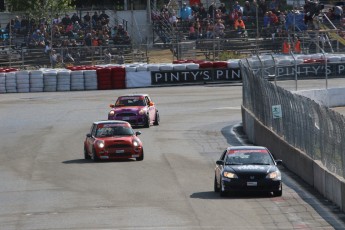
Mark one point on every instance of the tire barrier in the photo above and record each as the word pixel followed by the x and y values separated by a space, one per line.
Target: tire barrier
pixel 2 82
pixel 104 78
pixel 36 81
pixel 63 82
pixel 118 77
pixel 136 75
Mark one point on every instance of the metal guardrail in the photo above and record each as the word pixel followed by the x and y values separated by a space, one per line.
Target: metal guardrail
pixel 313 128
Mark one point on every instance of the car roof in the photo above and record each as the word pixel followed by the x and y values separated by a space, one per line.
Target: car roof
pixel 110 122
pixel 135 95
pixel 244 147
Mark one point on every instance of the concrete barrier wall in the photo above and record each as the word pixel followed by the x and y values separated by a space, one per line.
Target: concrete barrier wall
pixel 312 172
pixel 328 97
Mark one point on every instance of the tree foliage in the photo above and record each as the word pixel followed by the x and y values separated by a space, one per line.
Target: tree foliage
pixel 39 9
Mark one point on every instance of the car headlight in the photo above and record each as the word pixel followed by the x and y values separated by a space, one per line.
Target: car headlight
pixel 142 111
pixel 136 143
pixel 276 175
pixel 100 144
pixel 111 113
pixel 229 175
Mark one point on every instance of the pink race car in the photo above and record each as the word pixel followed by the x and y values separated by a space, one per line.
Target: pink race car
pixel 137 109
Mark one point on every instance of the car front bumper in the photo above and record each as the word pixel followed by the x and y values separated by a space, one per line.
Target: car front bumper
pixel 138 120
pixel 263 185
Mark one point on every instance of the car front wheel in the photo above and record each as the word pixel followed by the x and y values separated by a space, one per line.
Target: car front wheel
pixel 94 156
pixel 216 188
pixel 141 157
pixel 147 122
pixel 86 154
pixel 156 119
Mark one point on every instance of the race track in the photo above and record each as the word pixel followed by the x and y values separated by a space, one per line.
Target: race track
pixel 46 183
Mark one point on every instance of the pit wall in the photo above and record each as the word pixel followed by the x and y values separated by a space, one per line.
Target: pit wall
pixel 312 172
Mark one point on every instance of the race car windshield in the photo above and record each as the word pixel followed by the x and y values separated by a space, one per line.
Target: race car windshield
pixel 114 131
pixel 249 158
pixel 130 102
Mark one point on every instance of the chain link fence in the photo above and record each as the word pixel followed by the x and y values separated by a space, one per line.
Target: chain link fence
pixel 313 128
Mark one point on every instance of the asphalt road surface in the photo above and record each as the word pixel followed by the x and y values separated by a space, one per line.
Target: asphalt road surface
pixel 46 183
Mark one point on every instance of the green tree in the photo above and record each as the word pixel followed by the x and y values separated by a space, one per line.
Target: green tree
pixel 39 9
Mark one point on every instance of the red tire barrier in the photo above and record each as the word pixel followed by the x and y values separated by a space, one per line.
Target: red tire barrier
pixel 220 64
pixel 206 65
pixel 118 77
pixel 104 79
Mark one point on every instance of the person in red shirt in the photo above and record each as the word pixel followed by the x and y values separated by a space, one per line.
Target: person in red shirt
pixel 239 25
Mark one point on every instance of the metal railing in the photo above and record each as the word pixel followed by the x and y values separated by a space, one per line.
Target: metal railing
pixel 306 125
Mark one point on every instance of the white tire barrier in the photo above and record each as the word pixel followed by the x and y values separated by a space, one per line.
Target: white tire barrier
pixel 23 81
pixel 36 81
pixel 90 78
pixel 2 83
pixel 50 81
pixel 10 82
pixel 63 80
pixel 192 66
pixel 77 80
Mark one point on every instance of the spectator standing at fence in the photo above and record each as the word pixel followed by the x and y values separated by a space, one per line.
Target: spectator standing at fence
pixel 66 21
pixel 337 12
pixel 95 19
pixel 262 7
pixel 209 30
pixel 297 46
pixel 211 10
pixel 104 17
pixel 286 47
pixel 75 18
pixel 87 19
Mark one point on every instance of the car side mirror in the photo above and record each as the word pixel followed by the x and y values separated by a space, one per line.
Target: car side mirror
pixel 137 133
pixel 111 106
pixel 219 162
pixel 151 103
pixel 279 162
pixel 88 135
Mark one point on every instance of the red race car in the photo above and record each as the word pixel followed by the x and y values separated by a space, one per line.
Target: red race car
pixel 113 140
pixel 137 109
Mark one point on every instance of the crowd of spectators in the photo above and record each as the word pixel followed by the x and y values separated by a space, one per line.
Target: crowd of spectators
pixel 68 31
pixel 61 37
pixel 212 21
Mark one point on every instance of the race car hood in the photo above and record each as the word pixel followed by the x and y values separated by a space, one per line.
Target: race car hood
pixel 133 109
pixel 245 169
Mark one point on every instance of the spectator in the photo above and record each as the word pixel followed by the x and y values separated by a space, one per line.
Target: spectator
pixel 87 19
pixel 286 47
pixel 192 34
pixel 219 29
pixel 337 12
pixel 248 10
pixel 273 6
pixel 185 12
pixel 239 26
pixel 75 18
pixel 262 7
pixel 211 10
pixel 17 25
pixel 104 16
pixel 66 20
pixel 95 18
pixel 173 19
pixel 297 46
pixel 202 12
pixel 209 30
pixel 56 19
